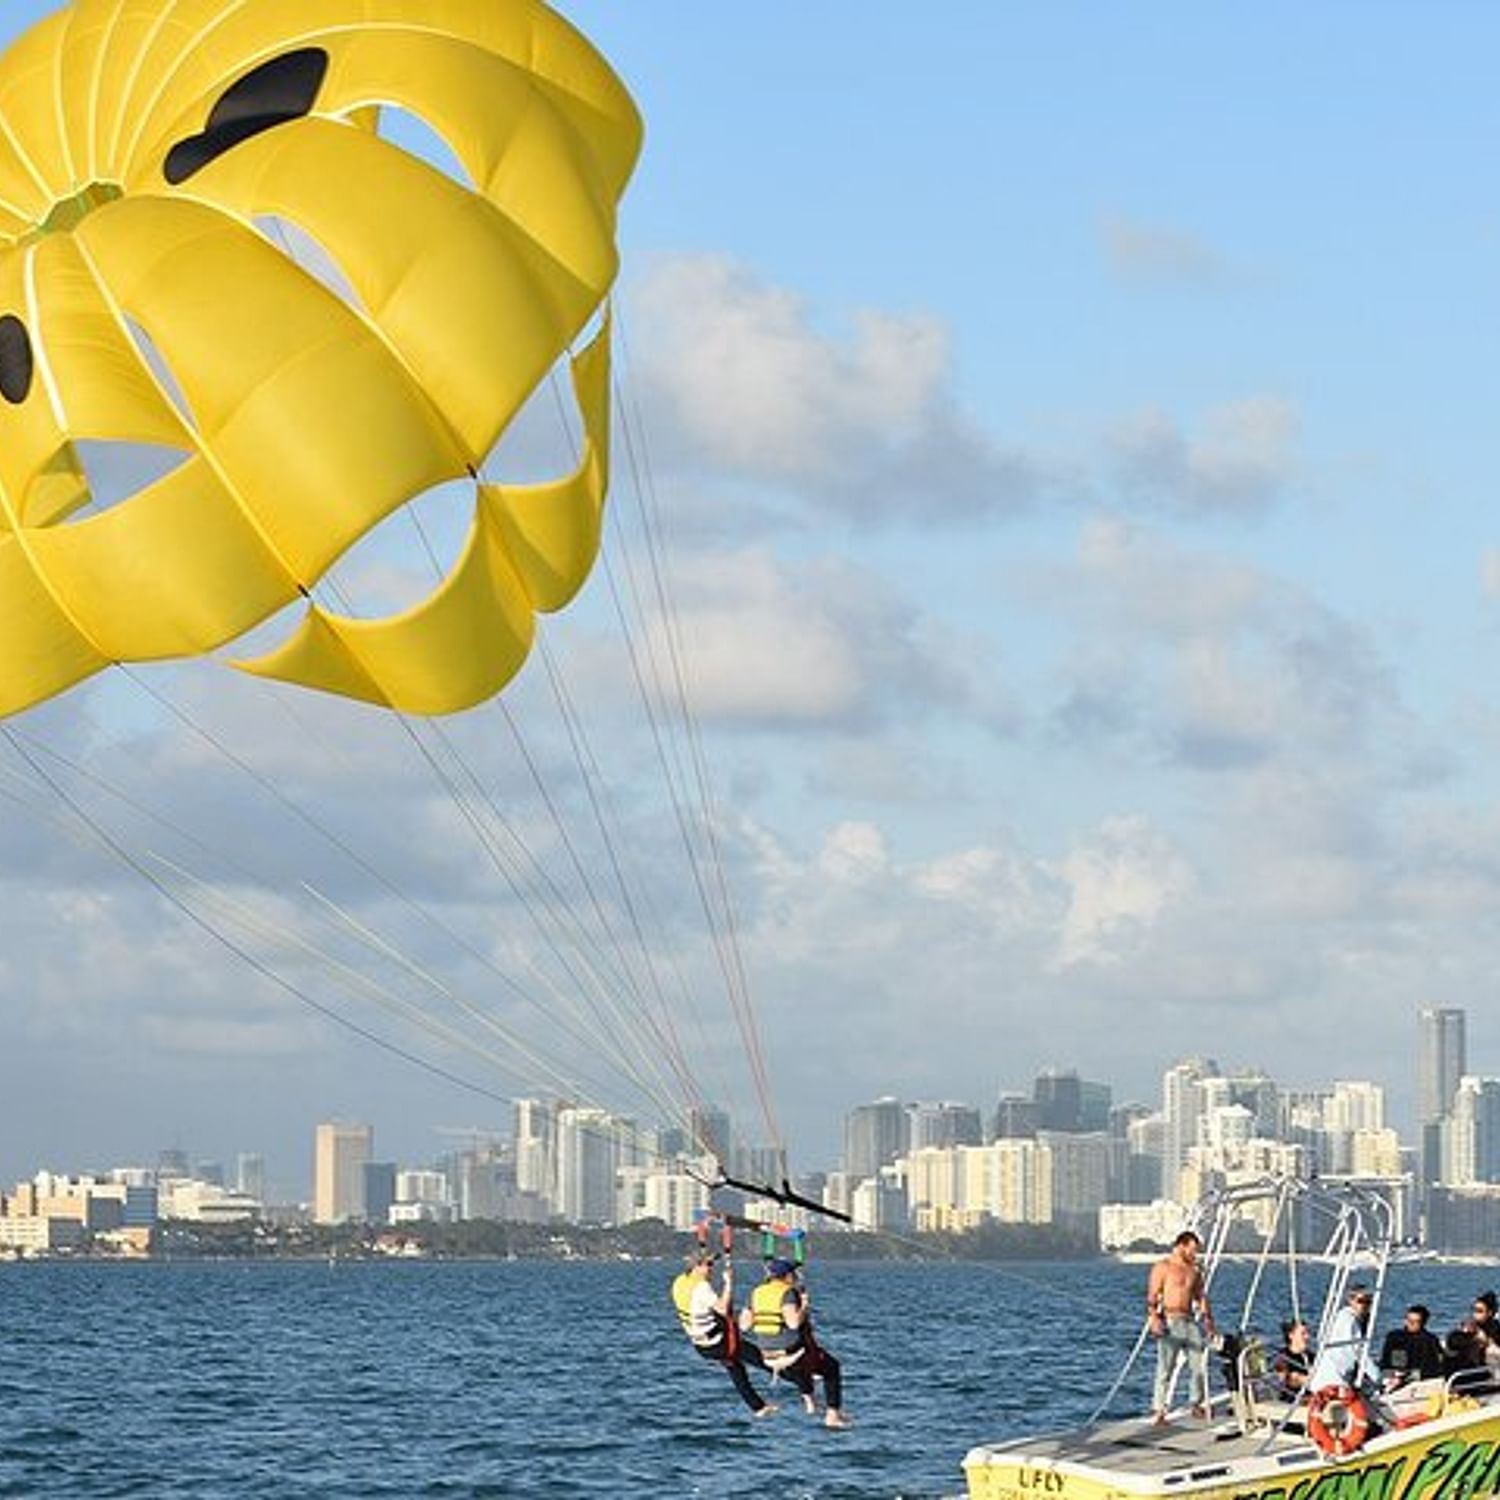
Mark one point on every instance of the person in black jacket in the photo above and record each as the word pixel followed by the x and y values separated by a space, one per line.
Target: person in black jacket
pixel 1293 1361
pixel 1412 1351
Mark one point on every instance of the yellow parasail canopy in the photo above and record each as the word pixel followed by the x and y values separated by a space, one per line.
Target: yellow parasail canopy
pixel 141 141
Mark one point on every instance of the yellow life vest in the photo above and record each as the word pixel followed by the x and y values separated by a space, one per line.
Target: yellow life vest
pixel 769 1328
pixel 702 1331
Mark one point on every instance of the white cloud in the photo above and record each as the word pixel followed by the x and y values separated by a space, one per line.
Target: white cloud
pixel 770 642
pixel 1209 662
pixel 1240 461
pixel 738 380
pixel 1489 572
pixel 1119 885
pixel 1156 253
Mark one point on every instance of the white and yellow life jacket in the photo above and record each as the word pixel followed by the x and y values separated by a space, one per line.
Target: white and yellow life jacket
pixel 704 1330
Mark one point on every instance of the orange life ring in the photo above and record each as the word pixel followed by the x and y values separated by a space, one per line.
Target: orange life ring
pixel 1338 1420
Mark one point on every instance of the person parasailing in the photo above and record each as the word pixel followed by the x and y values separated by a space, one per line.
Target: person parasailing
pixel 779 1316
pixel 707 1317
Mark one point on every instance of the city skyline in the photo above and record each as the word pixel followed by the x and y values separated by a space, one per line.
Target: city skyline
pixel 1082 549
pixel 1064 1086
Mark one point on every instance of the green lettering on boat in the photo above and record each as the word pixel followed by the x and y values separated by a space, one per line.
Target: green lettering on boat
pixel 1461 1480
pixel 1432 1466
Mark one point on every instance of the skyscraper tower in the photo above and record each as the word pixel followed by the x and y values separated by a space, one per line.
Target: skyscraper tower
pixel 339 1172
pixel 1441 1061
pixel 874 1136
pixel 1182 1108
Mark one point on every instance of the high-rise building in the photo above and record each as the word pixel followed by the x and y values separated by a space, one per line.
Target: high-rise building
pixel 535 1147
pixel 250 1175
pixel 1471 1133
pixel 944 1125
pixel 173 1162
pixel 587 1159
pixel 711 1132
pixel 1015 1118
pixel 1095 1106
pixel 874 1136
pixel 341 1152
pixel 1059 1099
pixel 1183 1105
pixel 379 1190
pixel 1441 1061
pixel 1080 1175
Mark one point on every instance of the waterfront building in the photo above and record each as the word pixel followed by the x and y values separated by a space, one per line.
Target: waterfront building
pixel 874 1136
pixel 762 1164
pixel 421 1185
pixel 204 1202
pixel 1015 1118
pixel 711 1131
pixel 340 1154
pixel 1256 1091
pixel 1182 1106
pixel 535 1141
pixel 250 1175
pixel 1095 1106
pixel 1140 1226
pixel 879 1202
pixel 1007 1181
pixel 379 1190
pixel 1470 1135
pixel 676 1199
pixel 1464 1220
pixel 944 1125
pixel 1376 1153
pixel 40 1234
pixel 1442 1059
pixel 1058 1093
pixel 173 1162
pixel 1080 1171
pixel 587 1160
pixel 838 1188
pixel 933 1188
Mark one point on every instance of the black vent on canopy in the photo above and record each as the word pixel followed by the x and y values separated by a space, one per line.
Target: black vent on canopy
pixel 286 88
pixel 16 363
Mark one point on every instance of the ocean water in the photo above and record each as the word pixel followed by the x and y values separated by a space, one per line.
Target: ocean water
pixel 541 1381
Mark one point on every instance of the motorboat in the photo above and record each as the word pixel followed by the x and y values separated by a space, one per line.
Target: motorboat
pixel 1296 1248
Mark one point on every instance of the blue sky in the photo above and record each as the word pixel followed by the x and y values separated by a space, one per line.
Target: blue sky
pixel 1075 425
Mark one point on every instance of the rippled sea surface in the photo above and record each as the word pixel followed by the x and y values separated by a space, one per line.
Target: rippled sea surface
pixel 534 1380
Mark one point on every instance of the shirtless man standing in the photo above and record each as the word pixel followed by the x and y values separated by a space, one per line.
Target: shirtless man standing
pixel 1179 1319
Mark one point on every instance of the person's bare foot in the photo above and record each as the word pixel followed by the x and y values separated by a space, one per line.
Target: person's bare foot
pixel 1159 1419
pixel 809 1406
pixel 768 1410
pixel 835 1419
pixel 1201 1412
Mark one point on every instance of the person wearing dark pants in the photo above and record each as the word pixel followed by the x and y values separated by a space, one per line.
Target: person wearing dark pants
pixel 707 1320
pixel 734 1361
pixel 778 1315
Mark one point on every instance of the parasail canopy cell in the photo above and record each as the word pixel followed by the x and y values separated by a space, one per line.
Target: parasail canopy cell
pixel 145 147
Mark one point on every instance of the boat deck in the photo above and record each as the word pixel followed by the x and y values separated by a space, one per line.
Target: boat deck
pixel 1138 1446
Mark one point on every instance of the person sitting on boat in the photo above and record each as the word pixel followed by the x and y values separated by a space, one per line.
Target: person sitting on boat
pixel 1344 1358
pixel 1464 1356
pixel 1179 1318
pixel 1412 1351
pixel 707 1319
pixel 779 1316
pixel 1485 1316
pixel 1293 1361
pixel 1468 1346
